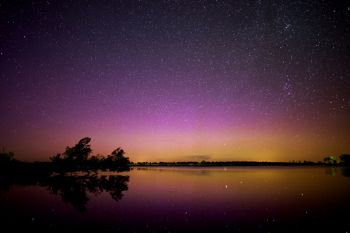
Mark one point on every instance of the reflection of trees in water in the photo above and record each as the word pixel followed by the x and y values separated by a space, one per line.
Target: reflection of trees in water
pixel 75 189
pixel 346 171
pixel 330 171
pixel 333 171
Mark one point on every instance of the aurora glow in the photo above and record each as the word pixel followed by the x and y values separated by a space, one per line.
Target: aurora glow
pixel 176 80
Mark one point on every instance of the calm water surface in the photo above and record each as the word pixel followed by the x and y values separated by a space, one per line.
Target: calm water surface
pixel 249 199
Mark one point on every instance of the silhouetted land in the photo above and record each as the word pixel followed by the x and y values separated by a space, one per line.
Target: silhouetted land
pixel 76 158
pixel 47 168
pixel 79 158
pixel 39 169
pixel 233 163
pixel 327 161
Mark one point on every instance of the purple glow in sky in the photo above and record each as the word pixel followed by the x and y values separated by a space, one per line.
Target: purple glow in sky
pixel 176 80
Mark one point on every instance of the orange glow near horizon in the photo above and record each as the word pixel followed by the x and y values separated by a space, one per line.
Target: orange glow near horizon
pixel 264 143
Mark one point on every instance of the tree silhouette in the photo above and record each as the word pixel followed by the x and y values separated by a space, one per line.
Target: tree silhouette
pixel 117 159
pixel 118 156
pixel 56 158
pixel 77 157
pixel 80 152
pixel 330 160
pixel 345 159
pixel 6 157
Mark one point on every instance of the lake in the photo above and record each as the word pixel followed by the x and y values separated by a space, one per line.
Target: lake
pixel 236 199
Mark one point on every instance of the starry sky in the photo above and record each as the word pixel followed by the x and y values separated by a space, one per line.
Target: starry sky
pixel 176 80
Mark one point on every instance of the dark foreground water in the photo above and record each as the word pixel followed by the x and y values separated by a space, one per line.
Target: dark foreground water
pixel 251 199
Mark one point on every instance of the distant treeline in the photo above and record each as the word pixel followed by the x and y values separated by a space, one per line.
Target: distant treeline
pixel 225 163
pixel 344 161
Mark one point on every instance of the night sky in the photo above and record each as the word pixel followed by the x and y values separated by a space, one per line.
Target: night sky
pixel 176 80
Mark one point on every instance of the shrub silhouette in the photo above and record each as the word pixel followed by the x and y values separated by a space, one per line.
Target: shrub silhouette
pixel 330 160
pixel 80 152
pixel 56 158
pixel 345 159
pixel 77 157
pixel 117 158
pixel 6 157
